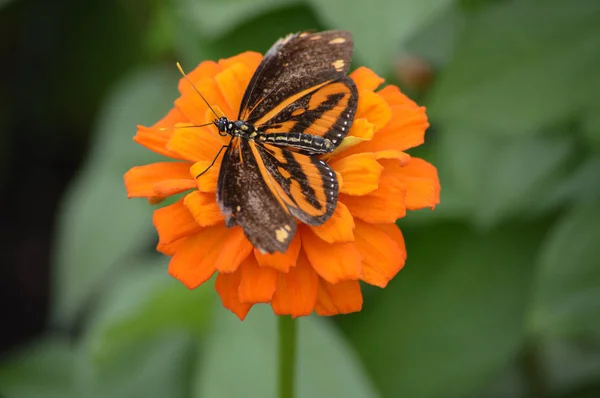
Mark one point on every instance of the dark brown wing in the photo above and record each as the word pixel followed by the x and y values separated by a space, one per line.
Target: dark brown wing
pixel 295 66
pixel 248 199
pixel 306 184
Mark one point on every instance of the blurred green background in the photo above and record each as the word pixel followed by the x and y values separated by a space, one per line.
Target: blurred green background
pixel 500 296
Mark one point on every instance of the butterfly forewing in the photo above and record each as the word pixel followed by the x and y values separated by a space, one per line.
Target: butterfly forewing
pixel 296 65
pixel 247 199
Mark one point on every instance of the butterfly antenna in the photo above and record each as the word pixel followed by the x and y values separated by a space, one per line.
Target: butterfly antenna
pixel 185 127
pixel 198 91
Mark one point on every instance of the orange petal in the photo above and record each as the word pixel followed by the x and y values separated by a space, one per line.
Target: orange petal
pixel 366 79
pixel 195 259
pixel 402 157
pixel 140 180
pixel 384 205
pixel 296 292
pixel 339 228
pixel 373 108
pixel 204 208
pixel 235 248
pixel 174 222
pixel 361 130
pixel 280 261
pixel 227 286
pixel 360 173
pixel 193 107
pixel 195 143
pixel 155 140
pixel 232 83
pixel 382 257
pixel 333 262
pixel 258 283
pixel 207 182
pixel 204 70
pixel 394 97
pixel 249 58
pixel 172 187
pixel 422 184
pixel 341 298
pixel 169 249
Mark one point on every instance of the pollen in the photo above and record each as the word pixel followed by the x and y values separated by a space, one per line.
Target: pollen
pixel 338 65
pixel 337 40
pixel 281 234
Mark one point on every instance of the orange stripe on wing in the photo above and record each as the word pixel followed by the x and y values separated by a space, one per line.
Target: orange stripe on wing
pixel 273 186
pixel 283 104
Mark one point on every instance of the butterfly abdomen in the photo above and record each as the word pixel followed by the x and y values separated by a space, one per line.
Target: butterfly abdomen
pixel 306 143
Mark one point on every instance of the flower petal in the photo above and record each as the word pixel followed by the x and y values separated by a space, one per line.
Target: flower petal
pixel 172 187
pixel 373 108
pixel 249 58
pixel 234 249
pixel 204 70
pixel 362 130
pixel 258 283
pixel 366 79
pixel 174 222
pixel 169 249
pixel 339 228
pixel 193 107
pixel 296 292
pixel 140 180
pixel 207 182
pixel 155 139
pixel 341 298
pixel 333 262
pixel 227 286
pixel 196 257
pixel 204 208
pixel 280 261
pixel 382 256
pixel 232 83
pixel 384 205
pixel 422 184
pixel 360 173
pixel 195 143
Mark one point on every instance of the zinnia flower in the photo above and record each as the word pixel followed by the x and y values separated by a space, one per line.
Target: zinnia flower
pixel 322 269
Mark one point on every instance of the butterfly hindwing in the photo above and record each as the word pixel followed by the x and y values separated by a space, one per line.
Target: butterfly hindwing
pixel 327 112
pixel 246 198
pixel 306 184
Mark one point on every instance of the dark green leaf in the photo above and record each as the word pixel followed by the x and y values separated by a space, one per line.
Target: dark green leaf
pixel 248 352
pixel 567 300
pixel 453 317
pixel 145 302
pixel 98 226
pixel 521 65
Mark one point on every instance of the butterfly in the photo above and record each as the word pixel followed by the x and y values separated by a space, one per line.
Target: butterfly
pixel 299 104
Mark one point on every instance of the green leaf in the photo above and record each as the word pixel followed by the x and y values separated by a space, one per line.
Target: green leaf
pixel 495 177
pixel 567 300
pixel 582 185
pixel 43 370
pixel 154 368
pixel 453 317
pixel 382 27
pixel 98 226
pixel 326 365
pixel 521 65
pixel 214 18
pixel 145 302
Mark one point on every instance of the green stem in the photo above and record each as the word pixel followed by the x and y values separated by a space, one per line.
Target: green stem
pixel 287 356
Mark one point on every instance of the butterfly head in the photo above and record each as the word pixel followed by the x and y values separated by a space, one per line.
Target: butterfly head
pixel 223 124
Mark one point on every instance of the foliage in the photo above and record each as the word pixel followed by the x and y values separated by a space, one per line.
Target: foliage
pixel 501 292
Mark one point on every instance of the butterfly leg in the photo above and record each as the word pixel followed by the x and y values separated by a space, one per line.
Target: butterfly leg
pixel 214 160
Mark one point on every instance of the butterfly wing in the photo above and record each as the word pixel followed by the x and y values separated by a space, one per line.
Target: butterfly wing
pixel 301 86
pixel 248 199
pixel 306 184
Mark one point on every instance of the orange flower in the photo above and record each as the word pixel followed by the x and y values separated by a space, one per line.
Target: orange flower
pixel 322 268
